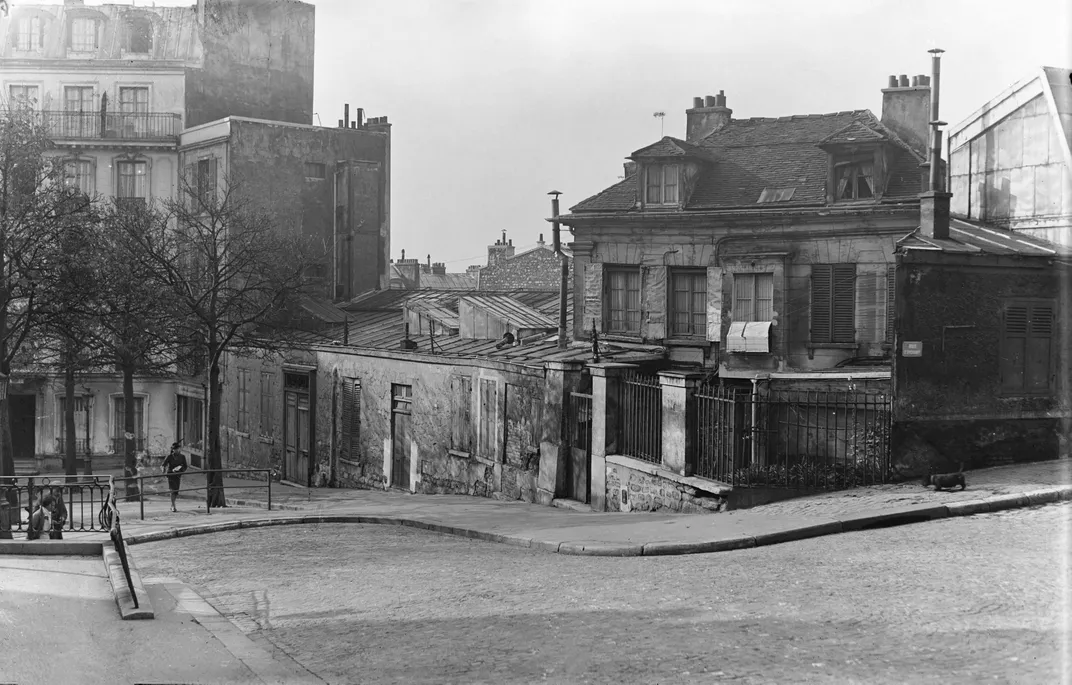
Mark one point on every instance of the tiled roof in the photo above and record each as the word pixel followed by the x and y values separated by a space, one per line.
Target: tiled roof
pixel 671 147
pixel 753 154
pixel 323 311
pixel 972 238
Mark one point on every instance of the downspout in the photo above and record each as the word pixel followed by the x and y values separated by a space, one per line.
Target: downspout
pixel 755 417
pixel 563 284
pixel 335 235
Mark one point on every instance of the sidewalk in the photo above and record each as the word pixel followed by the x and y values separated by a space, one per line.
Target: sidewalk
pixel 617 534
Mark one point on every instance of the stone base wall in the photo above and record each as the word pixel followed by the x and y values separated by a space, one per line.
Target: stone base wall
pixel 631 490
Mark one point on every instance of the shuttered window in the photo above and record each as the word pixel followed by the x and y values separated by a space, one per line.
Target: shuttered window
pixel 490 434
pixel 1027 347
pixel 622 313
pixel 891 289
pixel 349 444
pixel 833 303
pixel 461 422
pixel 688 310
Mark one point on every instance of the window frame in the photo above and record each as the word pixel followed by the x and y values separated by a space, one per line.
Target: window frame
pixel 92 22
pixel 141 429
pixel 122 164
pixel 662 188
pixel 242 402
pixel 35 32
pixel 87 165
pixel 854 164
pixel 32 101
pixel 184 413
pixel 753 300
pixel 266 417
pixel 129 23
pixel 692 328
pixel 610 273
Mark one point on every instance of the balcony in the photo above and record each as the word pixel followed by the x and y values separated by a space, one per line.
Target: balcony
pixel 119 445
pixel 79 446
pixel 143 127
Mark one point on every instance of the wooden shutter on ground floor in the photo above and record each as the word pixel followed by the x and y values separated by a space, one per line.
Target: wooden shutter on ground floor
pixel 461 424
pixel 1027 347
pixel 653 302
pixel 891 290
pixel 714 303
pixel 349 447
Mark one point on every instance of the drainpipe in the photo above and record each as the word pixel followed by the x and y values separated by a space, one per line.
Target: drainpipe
pixel 755 416
pixel 563 281
pixel 936 135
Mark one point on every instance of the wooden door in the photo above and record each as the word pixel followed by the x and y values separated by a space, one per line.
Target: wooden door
pixel 290 436
pixel 401 417
pixel 580 446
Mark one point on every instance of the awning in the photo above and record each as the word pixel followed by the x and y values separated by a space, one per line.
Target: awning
pixel 749 336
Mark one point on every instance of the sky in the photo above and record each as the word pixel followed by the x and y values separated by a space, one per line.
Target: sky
pixel 494 103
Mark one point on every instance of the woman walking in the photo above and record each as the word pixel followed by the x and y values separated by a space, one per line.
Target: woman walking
pixel 174 464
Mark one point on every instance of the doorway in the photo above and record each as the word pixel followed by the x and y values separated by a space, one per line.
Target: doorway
pixel 297 430
pixel 22 412
pixel 580 446
pixel 401 434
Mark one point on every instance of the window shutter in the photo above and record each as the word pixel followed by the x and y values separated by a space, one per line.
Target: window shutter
pixel 714 303
pixel 212 184
pixel 593 298
pixel 821 293
pixel 844 304
pixel 653 298
pixel 347 418
pixel 461 397
pixel 1015 344
pixel 1039 349
pixel 891 289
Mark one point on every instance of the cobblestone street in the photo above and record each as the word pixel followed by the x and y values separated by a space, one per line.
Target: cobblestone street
pixel 959 600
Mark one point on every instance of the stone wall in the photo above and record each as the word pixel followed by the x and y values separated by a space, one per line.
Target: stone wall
pixel 630 489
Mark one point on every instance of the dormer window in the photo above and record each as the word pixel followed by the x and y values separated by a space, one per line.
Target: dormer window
pixel 138 35
pixel 855 178
pixel 662 184
pixel 28 34
pixel 82 34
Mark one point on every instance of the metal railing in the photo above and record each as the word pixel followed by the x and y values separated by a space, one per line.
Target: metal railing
pixel 82 497
pixel 121 126
pixel 160 486
pixel 640 418
pixel 792 438
pixel 109 518
pixel 119 445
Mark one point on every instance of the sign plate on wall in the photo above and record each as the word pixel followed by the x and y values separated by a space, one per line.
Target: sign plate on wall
pixel 911 349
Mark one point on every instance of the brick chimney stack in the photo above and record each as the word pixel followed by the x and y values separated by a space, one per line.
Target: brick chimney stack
pixel 502 249
pixel 706 116
pixel 410 270
pixel 906 110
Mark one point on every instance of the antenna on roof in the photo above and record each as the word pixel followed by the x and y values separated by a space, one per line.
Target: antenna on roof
pixel 661 116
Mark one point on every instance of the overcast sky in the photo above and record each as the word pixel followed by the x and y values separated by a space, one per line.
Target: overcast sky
pixel 496 102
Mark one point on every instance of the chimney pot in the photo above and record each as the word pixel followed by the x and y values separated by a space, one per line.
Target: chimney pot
pixel 346 114
pixel 892 82
pixel 403 254
pixel 340 123
pixel 915 81
pixel 541 239
pixel 720 99
pixel 709 101
pixel 697 103
pixel 904 81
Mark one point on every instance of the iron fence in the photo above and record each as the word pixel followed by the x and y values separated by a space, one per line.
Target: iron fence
pixel 640 418
pixel 80 446
pixel 119 445
pixel 580 427
pixel 196 477
pixel 82 498
pixel 109 518
pixel 83 125
pixel 789 438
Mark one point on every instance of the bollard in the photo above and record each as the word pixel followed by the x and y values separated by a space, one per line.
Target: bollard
pixel 5 519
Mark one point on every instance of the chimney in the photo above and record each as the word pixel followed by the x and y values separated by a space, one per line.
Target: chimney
pixel 346 115
pixel 540 243
pixel 934 202
pixel 439 268
pixel 906 110
pixel 500 250
pixel 706 116
pixel 410 270
pixel 630 167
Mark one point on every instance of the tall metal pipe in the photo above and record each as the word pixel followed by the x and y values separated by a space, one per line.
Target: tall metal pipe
pixel 556 237
pixel 936 133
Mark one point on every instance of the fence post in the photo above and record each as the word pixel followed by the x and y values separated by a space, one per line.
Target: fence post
pixel 268 475
pixel 679 420
pixel 606 386
pixel 141 500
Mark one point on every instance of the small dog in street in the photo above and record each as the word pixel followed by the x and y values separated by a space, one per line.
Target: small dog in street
pixel 945 481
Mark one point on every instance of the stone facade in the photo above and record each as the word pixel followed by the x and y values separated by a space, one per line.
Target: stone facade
pixel 629 489
pixel 537 269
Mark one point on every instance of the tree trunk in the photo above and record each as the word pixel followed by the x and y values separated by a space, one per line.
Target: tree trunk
pixel 215 495
pixel 130 463
pixel 68 419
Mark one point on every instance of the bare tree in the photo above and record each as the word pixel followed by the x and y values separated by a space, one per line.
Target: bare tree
pixel 33 207
pixel 235 275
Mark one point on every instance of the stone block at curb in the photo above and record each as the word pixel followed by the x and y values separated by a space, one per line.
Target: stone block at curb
pixel 700 547
pixel 545 545
pixel 801 533
pixel 113 566
pixel 64 548
pixel 1046 496
pixel 1004 502
pixel 969 508
pixel 894 517
pixel 600 549
pixel 517 541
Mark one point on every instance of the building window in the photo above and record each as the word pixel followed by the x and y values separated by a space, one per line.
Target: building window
pixel 350 443
pixel 81 407
pixel 489 430
pixel 753 297
pixel 242 423
pixel 662 184
pixel 855 179
pixel 315 170
pixel 267 419
pixel 29 34
pixel 461 398
pixel 78 175
pixel 1027 355
pixel 204 184
pixel 78 99
pixel 25 95
pixel 133 182
pixel 688 303
pixel 622 313
pixel 134 100
pixel 189 422
pixel 119 428
pixel 833 303
pixel 82 34
pixel 138 35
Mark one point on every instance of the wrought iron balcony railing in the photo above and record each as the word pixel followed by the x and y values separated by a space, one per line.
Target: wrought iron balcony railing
pixel 119 445
pixel 111 125
pixel 79 446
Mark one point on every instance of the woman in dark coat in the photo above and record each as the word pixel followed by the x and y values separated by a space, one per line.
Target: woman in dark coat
pixel 174 464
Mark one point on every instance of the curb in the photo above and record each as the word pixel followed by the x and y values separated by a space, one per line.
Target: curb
pixel 50 548
pixel 123 599
pixel 895 517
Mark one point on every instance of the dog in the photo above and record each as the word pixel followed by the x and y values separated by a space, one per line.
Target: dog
pixel 945 481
